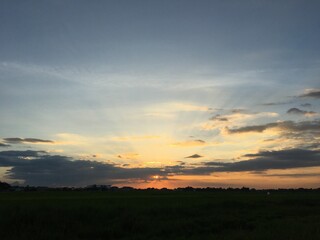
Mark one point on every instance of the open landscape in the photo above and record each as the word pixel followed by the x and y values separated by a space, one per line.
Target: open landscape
pixel 159 120
pixel 160 214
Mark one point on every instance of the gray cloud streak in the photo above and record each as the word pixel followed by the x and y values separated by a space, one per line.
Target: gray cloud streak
pixel 298 111
pixel 285 126
pixel 194 156
pixel 311 94
pixel 26 140
pixel 4 145
pixel 218 117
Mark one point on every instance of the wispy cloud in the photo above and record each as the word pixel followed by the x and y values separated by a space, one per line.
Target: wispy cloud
pixel 311 93
pixel 129 156
pixel 276 103
pixel 4 145
pixel 190 143
pixel 16 140
pixel 298 111
pixel 306 105
pixel 284 125
pixel 234 117
pixel 194 156
pixel 219 118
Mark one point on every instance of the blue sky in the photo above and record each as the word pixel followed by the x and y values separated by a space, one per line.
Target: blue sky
pixel 143 85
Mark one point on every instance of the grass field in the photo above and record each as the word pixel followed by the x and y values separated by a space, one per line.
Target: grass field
pixel 159 215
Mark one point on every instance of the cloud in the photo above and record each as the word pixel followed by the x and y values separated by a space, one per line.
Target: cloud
pixel 191 143
pixel 311 93
pixel 295 175
pixel 239 110
pixel 218 117
pixel 298 111
pixel 235 116
pixel 39 168
pixel 253 128
pixel 255 163
pixel 26 140
pixel 305 105
pixel 288 126
pixel 267 160
pixel 194 156
pixel 4 145
pixel 22 154
pixel 275 103
pixel 282 159
pixel 128 155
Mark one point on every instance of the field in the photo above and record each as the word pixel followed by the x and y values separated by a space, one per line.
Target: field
pixel 159 215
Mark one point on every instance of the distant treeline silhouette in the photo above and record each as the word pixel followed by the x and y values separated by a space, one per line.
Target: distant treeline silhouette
pixel 8 188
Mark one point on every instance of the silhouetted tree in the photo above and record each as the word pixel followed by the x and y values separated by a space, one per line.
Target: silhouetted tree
pixel 4 186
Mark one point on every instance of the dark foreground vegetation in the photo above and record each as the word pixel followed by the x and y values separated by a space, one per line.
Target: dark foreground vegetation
pixel 160 214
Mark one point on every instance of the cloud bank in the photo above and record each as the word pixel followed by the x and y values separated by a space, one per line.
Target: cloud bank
pixel 298 111
pixel 300 127
pixel 40 169
pixel 313 93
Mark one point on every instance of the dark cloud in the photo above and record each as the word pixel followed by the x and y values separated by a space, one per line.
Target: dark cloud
pixel 238 110
pixel 4 145
pixel 253 128
pixel 26 140
pixel 298 111
pixel 46 170
pixel 181 162
pixel 22 154
pixel 40 169
pixel 218 117
pixel 268 160
pixel 274 103
pixel 312 94
pixel 310 145
pixel 194 156
pixel 305 105
pixel 255 163
pixel 295 175
pixel 305 133
pixel 214 164
pixel 288 126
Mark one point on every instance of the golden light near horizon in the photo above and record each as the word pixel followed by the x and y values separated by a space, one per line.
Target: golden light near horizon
pixel 156 177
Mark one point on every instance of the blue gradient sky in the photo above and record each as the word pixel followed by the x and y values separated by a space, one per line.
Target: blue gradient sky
pixel 145 84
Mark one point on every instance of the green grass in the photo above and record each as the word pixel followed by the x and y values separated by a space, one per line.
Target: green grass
pixel 159 215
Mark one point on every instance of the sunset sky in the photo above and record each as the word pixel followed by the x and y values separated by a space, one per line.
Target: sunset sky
pixel 163 93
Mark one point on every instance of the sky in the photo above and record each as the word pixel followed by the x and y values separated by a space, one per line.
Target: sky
pixel 160 93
